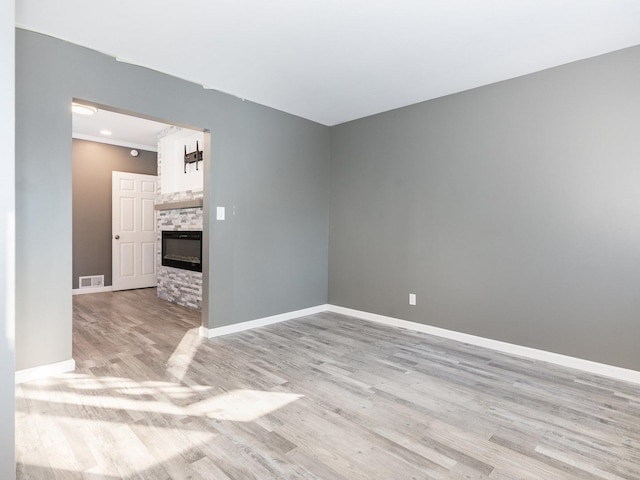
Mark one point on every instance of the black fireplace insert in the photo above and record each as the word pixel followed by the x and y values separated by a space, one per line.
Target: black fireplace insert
pixel 182 249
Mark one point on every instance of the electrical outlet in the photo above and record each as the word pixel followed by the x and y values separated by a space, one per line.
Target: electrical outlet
pixel 412 299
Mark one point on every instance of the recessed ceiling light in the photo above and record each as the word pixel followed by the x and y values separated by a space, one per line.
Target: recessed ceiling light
pixel 105 132
pixel 83 109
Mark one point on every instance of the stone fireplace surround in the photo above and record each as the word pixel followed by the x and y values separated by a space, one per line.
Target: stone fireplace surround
pixel 176 285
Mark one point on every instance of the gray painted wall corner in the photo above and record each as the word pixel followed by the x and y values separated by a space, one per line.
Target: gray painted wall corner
pixel 510 210
pixel 7 254
pixel 277 200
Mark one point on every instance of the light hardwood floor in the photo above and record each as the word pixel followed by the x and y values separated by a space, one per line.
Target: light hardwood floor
pixel 321 397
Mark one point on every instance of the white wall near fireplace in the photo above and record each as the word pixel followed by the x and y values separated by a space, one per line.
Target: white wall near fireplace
pixel 173 179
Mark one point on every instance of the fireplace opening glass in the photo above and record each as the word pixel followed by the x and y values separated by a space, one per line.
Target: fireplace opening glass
pixel 182 249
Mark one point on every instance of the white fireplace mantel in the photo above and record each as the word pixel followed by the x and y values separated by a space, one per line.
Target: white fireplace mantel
pixel 193 203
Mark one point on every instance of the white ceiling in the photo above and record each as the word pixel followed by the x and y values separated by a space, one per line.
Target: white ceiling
pixel 337 60
pixel 126 131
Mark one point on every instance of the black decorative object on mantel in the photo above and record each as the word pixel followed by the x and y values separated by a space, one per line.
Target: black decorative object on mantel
pixel 192 157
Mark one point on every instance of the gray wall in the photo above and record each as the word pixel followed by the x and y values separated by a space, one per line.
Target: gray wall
pixel 7 190
pixel 270 168
pixel 92 164
pixel 512 210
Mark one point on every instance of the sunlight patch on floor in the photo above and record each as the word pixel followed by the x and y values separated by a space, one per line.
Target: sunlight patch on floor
pixel 111 449
pixel 181 358
pixel 166 398
pixel 243 405
pixel 106 400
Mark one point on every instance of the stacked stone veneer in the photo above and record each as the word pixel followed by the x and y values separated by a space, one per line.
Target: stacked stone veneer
pixel 176 285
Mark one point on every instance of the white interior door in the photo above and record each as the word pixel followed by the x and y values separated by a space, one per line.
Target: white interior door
pixel 133 230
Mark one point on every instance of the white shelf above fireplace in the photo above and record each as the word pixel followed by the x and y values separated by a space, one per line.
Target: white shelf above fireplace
pixel 194 203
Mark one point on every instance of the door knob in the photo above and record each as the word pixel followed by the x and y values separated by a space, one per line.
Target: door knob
pixel 117 237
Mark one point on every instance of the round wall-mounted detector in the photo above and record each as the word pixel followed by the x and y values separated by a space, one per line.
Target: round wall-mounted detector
pixel 134 153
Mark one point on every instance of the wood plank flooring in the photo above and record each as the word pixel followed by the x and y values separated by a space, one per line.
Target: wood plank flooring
pixel 321 397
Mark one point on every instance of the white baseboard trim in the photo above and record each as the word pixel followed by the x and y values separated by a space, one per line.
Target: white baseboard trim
pixel 589 366
pixel 82 291
pixel 260 322
pixel 44 371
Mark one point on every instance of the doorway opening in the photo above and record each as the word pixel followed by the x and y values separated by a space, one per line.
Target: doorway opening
pixel 133 178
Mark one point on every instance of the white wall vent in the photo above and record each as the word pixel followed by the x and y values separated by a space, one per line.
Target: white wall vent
pixel 91 281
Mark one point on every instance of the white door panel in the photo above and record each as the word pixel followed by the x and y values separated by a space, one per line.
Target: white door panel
pixel 149 186
pixel 127 185
pixel 127 259
pixel 148 215
pixel 127 214
pixel 148 258
pixel 134 230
